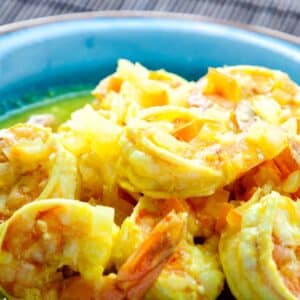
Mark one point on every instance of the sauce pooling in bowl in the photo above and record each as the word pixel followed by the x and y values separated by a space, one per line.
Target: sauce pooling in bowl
pixel 60 107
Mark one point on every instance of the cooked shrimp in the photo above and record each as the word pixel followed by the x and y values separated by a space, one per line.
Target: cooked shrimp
pixel 137 275
pixel 192 272
pixel 248 93
pixel 132 88
pixel 260 246
pixel 46 242
pixel 178 152
pixel 33 165
pixel 238 123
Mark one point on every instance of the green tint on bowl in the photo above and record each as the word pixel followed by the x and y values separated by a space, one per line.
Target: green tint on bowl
pixel 60 106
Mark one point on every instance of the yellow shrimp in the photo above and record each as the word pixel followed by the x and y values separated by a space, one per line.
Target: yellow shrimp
pixel 46 242
pixel 33 165
pixel 248 93
pixel 259 248
pixel 132 87
pixel 192 272
pixel 236 120
pixel 178 152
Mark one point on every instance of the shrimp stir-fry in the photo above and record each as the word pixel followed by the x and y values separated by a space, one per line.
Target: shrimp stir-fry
pixel 151 185
pixel 46 242
pixel 33 165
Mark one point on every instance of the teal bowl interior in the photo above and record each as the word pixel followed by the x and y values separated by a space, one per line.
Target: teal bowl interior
pixel 81 51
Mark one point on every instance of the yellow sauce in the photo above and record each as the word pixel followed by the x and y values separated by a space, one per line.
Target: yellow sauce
pixel 60 106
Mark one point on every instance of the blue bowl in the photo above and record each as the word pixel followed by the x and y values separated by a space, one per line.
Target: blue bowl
pixel 67 52
pixel 81 49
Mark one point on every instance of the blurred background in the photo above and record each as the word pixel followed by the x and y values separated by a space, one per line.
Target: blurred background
pixel 283 15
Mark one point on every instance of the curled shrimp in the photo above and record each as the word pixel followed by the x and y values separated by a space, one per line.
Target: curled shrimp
pixel 46 242
pixel 208 214
pixel 259 248
pixel 248 93
pixel 137 275
pixel 33 165
pixel 192 272
pixel 133 87
pixel 178 152
pixel 237 124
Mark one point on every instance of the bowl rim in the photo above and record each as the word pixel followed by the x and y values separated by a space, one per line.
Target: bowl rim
pixel 123 14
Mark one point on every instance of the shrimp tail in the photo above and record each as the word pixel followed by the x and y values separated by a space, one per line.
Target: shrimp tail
pixel 142 268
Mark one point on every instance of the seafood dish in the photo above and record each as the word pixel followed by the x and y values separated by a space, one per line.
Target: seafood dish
pixel 160 188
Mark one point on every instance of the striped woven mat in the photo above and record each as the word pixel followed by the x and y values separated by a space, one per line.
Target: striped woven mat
pixel 283 15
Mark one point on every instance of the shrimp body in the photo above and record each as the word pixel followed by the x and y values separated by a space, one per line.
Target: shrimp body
pixel 33 165
pixel 178 152
pixel 46 242
pixel 259 248
pixel 192 272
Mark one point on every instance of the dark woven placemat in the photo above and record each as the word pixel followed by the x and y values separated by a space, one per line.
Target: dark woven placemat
pixel 283 15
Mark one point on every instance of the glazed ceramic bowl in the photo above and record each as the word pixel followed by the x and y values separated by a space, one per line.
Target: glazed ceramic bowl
pixel 78 50
pixel 81 49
